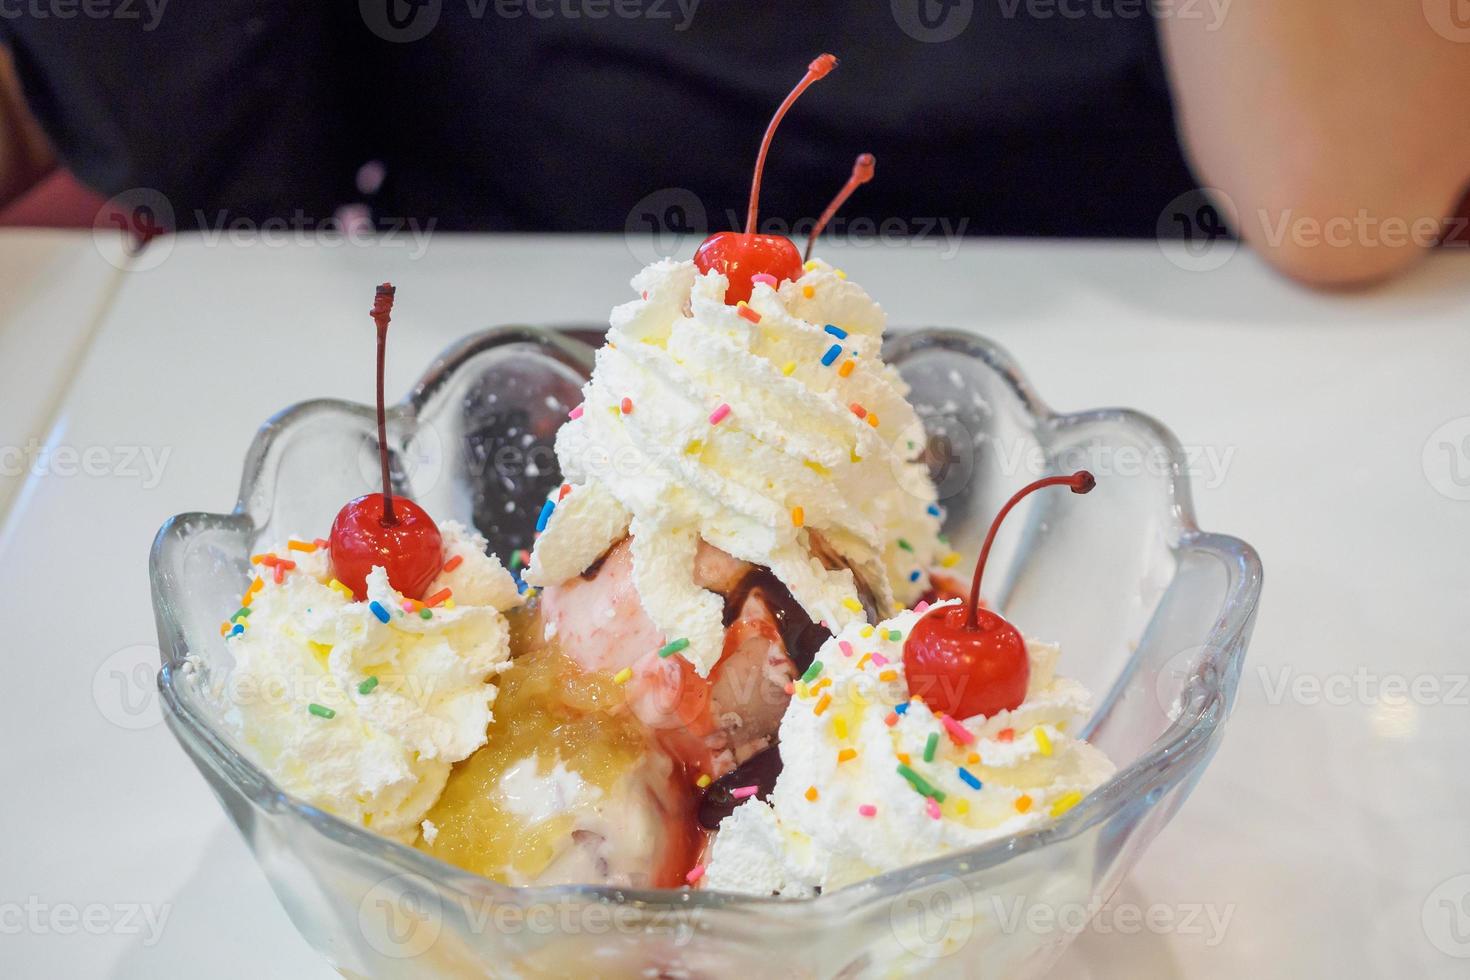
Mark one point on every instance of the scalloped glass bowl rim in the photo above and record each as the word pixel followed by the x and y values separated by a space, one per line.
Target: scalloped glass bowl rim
pixel 1169 760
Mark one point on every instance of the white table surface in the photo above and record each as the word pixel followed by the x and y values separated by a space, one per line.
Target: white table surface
pixel 1333 829
pixel 54 285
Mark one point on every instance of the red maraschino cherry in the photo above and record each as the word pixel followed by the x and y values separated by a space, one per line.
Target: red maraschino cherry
pixel 379 529
pixel 966 660
pixel 862 172
pixel 741 255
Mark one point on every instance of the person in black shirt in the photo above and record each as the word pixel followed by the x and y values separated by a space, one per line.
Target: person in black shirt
pixel 990 117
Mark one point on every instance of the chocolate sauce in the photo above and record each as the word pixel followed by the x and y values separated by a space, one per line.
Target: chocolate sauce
pixel 802 637
pixel 590 572
pixel 760 771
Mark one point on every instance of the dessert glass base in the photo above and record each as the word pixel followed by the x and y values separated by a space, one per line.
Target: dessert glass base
pixel 1152 614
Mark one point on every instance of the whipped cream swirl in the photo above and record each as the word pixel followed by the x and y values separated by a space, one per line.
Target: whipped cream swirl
pixel 750 428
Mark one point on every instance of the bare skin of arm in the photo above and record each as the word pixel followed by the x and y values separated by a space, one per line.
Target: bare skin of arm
pixel 25 156
pixel 1337 128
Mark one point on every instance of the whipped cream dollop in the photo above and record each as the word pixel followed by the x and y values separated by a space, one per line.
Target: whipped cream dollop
pixel 357 716
pixel 843 809
pixel 752 428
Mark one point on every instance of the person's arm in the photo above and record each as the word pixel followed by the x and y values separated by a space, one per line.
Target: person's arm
pixel 1337 128
pixel 25 156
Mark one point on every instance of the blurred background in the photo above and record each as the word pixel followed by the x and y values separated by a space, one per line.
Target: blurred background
pixel 1341 155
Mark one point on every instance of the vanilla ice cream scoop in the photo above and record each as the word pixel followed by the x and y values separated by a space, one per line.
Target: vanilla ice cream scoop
pixel 360 708
pixel 873 781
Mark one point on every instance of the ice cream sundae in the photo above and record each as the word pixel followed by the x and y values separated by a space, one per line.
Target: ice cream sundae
pixel 720 629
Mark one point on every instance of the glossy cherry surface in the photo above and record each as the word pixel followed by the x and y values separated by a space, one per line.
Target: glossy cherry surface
pixel 743 255
pixel 966 660
pixel 410 548
pixel 378 528
pixel 966 671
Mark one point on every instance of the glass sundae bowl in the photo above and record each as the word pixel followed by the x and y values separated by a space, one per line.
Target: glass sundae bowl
pixel 1153 615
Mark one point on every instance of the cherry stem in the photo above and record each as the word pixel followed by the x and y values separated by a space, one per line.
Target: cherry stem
pixel 1080 482
pixel 862 172
pixel 819 68
pixel 381 313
